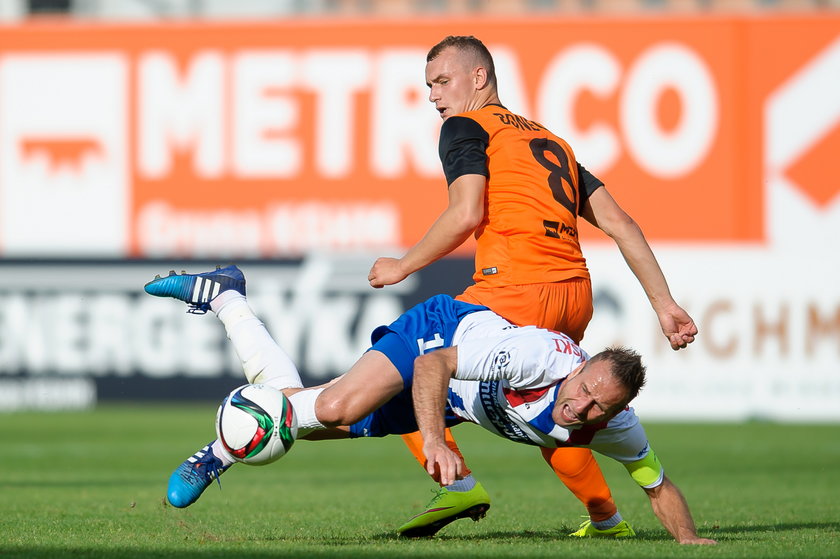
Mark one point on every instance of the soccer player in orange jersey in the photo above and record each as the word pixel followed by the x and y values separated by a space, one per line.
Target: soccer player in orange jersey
pixel 518 188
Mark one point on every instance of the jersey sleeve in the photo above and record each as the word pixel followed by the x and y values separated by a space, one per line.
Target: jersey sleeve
pixel 623 439
pixel 524 357
pixel 587 184
pixel 463 148
pixel 486 359
pixel 646 471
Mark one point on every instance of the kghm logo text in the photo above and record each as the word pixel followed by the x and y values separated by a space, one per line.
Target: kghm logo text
pixel 555 229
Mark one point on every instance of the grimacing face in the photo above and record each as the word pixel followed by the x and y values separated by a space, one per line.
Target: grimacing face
pixel 590 394
pixel 452 82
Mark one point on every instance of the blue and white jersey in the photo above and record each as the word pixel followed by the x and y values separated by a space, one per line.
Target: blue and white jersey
pixel 507 379
pixel 432 324
pixel 507 382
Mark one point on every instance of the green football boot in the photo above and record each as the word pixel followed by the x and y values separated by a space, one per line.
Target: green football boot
pixel 588 530
pixel 447 506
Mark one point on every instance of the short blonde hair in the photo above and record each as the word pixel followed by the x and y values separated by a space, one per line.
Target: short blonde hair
pixel 467 44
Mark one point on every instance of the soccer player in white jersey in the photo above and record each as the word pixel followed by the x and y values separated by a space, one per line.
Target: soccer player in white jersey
pixel 441 363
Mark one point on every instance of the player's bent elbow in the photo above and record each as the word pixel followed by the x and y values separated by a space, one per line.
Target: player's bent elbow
pixel 603 212
pixel 471 220
pixel 657 490
pixel 623 227
pixel 466 218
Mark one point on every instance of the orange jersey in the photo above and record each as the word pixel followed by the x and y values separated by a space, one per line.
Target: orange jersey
pixel 534 195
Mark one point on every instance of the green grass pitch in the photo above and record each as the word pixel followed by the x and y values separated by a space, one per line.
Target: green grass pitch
pixel 91 484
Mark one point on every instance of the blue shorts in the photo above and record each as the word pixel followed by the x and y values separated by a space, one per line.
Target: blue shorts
pixel 423 328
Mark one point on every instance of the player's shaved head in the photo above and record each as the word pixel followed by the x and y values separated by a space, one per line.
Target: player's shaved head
pixel 473 50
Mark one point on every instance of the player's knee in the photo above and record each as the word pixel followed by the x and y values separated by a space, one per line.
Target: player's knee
pixel 334 411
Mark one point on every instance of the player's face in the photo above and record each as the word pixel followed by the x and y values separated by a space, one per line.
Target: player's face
pixel 451 81
pixel 591 394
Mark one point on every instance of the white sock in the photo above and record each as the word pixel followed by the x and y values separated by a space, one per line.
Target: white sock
pixel 222 454
pixel 462 485
pixel 304 404
pixel 608 523
pixel 220 300
pixel 263 360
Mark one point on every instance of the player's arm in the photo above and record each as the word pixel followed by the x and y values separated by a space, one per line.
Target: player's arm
pixel 666 499
pixel 462 149
pixel 454 226
pixel 432 372
pixel 603 212
pixel 670 507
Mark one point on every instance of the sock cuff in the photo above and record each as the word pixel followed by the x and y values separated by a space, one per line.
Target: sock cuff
pixel 608 523
pixel 232 308
pixel 303 403
pixel 280 383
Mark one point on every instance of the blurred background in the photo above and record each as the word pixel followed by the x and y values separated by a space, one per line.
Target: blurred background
pixel 230 9
pixel 295 138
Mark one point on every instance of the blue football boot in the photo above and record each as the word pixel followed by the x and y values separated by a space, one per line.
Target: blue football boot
pixel 190 479
pixel 197 290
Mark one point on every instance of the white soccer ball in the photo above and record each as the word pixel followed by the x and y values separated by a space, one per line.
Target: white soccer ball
pixel 256 424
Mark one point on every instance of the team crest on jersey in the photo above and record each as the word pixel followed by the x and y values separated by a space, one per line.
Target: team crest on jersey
pixel 500 361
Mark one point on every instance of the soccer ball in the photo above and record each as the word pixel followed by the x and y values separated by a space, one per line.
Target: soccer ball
pixel 256 424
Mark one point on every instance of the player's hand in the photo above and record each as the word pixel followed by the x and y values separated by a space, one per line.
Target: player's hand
pixel 677 326
pixel 442 464
pixel 386 271
pixel 697 541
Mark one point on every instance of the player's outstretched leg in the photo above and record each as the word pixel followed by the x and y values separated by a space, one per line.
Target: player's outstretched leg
pixel 447 506
pixel 197 290
pixel 190 479
pixel 263 361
